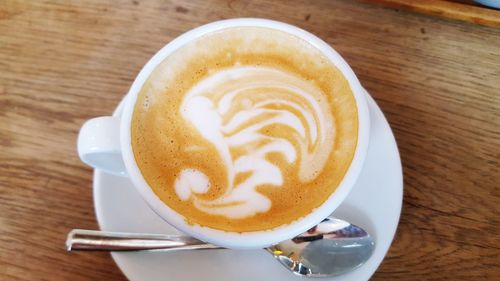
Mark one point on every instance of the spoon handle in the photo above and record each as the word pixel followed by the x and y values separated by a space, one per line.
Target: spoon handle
pixel 93 240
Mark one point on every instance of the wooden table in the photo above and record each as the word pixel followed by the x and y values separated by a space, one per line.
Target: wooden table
pixel 438 82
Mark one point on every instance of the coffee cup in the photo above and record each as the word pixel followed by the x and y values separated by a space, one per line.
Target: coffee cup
pixel 241 133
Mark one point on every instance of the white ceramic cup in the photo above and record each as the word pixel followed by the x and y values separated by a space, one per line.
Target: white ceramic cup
pixel 105 143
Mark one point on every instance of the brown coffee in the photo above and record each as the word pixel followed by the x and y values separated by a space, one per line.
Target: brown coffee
pixel 245 129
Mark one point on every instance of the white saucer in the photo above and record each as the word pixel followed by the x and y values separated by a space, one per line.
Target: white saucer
pixel 374 203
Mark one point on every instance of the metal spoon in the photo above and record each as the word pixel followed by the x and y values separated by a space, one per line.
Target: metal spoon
pixel 331 248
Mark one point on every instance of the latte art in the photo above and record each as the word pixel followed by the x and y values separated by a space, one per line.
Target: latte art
pixel 233 108
pixel 244 129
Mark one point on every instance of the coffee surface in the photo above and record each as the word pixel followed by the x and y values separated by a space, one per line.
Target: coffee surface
pixel 244 129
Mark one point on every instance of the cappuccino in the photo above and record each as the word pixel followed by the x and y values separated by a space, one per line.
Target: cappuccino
pixel 244 129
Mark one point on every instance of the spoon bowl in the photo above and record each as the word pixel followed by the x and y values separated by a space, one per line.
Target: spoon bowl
pixel 331 248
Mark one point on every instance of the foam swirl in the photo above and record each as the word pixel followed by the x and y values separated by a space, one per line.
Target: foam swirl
pixel 261 110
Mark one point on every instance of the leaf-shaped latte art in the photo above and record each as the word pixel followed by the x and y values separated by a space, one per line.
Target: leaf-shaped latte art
pixel 242 107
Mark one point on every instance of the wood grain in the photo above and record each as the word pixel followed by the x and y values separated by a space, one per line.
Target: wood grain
pixel 438 82
pixel 458 9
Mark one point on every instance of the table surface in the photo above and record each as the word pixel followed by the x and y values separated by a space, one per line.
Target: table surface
pixel 465 10
pixel 438 82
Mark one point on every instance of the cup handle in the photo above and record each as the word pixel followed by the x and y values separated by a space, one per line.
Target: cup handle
pixel 99 145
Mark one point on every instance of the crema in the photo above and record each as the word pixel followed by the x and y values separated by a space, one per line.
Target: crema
pixel 244 129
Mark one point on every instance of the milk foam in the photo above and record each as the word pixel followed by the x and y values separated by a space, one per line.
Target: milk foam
pixel 232 108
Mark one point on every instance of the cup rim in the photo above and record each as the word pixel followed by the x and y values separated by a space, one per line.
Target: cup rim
pixel 254 239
